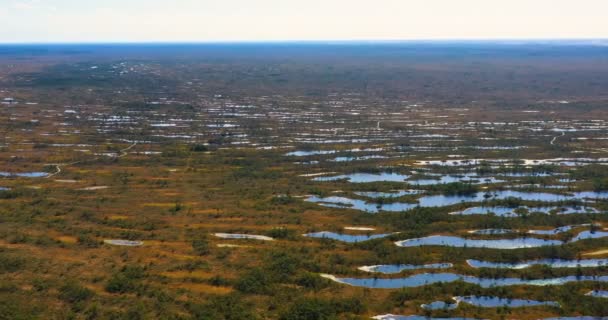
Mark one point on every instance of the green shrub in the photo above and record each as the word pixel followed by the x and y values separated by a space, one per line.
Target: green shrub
pixel 255 281
pixel 281 233
pixel 126 280
pixel 310 309
pixel 311 281
pixel 199 148
pixel 9 263
pixel 230 307
pixel 200 247
pixel 73 292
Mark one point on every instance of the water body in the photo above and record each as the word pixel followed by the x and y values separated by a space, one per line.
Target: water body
pixel 367 177
pixel 452 241
pixel 553 263
pixel 487 302
pixel 468 178
pixel 343 202
pixel 454 163
pixel 530 174
pixel 496 302
pixel 568 162
pixel 448 200
pixel 414 317
pixel 124 243
pixel 345 237
pixel 242 236
pixel 578 318
pixel 517 243
pixel 361 158
pixel 598 294
pixel 499 211
pixel 397 268
pixel 396 194
pixel 512 212
pixel 24 174
pixel 552 232
pixel 491 231
pixel 395 177
pixel 589 235
pixel 309 153
pixel 425 279
pixel 439 305
pixel 538 186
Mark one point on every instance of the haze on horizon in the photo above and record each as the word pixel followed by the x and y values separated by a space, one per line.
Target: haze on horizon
pixel 26 21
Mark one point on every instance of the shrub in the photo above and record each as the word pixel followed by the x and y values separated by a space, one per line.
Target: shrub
pixel 255 281
pixel 282 233
pixel 230 307
pixel 318 309
pixel 200 247
pixel 73 292
pixel 282 200
pixel 600 184
pixel 199 148
pixel 9 263
pixel 127 280
pixel 311 281
pixel 310 309
pixel 87 241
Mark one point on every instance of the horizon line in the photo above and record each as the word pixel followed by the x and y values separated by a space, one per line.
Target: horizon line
pixel 590 40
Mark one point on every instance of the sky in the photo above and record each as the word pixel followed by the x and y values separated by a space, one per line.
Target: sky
pixel 26 21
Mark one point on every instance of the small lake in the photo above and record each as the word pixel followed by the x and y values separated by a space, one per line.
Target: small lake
pixel 395 194
pixel 473 179
pixel 513 212
pixel 343 202
pixel 242 236
pixel 552 232
pixel 487 302
pixel 360 158
pixel 397 268
pixel 537 186
pixel 24 174
pixel 414 317
pixel 396 177
pixel 598 294
pixel 452 241
pixel 578 318
pixel 439 305
pixel 553 263
pixel 590 235
pixel 496 302
pixel 517 243
pixel 491 231
pixel 448 200
pixel 425 279
pixel 367 177
pixel 309 153
pixel 567 162
pixel 345 237
pixel 124 243
pixel 499 211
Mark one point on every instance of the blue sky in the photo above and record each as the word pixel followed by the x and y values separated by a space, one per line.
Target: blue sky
pixel 262 20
